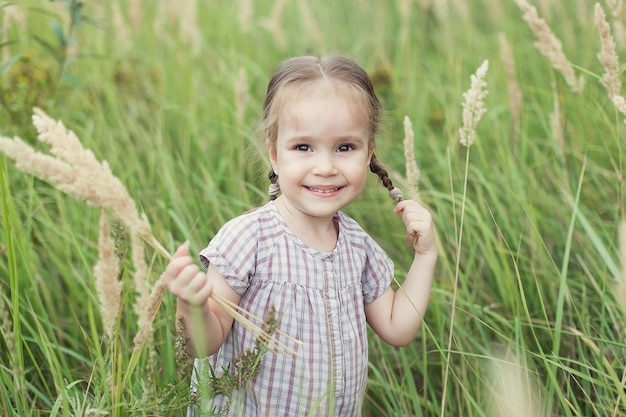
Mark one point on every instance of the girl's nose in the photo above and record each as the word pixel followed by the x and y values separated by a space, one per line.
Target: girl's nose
pixel 324 165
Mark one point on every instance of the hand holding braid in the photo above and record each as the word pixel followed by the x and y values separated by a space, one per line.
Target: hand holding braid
pixel 417 220
pixel 377 168
pixel 419 226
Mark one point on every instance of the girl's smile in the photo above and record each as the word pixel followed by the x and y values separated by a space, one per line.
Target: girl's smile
pixel 329 191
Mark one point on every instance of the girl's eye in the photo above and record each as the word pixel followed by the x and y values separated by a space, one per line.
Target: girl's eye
pixel 303 148
pixel 345 148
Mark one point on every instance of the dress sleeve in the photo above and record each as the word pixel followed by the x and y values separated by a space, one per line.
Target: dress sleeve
pixel 233 252
pixel 378 271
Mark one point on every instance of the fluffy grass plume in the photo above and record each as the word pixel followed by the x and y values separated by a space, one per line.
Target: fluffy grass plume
pixel 550 46
pixel 474 105
pixel 106 273
pixel 513 393
pixel 556 125
pixel 180 18
pixel 6 331
pixel 607 55
pixel 245 15
pixel 273 23
pixel 76 171
pixel 609 60
pixel 515 93
pixel 12 17
pixel 412 171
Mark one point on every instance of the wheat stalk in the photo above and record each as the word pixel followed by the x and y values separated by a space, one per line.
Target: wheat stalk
pixel 76 171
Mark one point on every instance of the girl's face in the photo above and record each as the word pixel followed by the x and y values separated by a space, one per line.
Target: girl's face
pixel 322 151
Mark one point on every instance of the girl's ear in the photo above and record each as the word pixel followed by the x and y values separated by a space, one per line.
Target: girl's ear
pixel 370 154
pixel 271 152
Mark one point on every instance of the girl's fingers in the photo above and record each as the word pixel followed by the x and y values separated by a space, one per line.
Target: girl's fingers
pixel 200 295
pixel 185 280
pixel 191 285
pixel 175 268
pixel 414 216
pixel 183 276
pixel 419 225
pixel 197 291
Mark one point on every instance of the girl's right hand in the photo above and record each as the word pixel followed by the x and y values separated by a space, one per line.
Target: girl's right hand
pixel 185 280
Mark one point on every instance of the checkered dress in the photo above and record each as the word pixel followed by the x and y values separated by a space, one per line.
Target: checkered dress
pixel 319 297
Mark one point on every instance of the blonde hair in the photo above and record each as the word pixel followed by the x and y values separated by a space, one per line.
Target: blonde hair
pixel 301 71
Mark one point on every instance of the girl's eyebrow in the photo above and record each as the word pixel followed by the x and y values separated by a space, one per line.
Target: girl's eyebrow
pixel 344 138
pixel 299 139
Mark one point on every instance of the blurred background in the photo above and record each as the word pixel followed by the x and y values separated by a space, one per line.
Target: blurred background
pixel 526 312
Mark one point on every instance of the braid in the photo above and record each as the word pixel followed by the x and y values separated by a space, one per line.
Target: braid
pixel 274 189
pixel 377 168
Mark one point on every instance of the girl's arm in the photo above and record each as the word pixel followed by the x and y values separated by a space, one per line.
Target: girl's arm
pixel 397 316
pixel 206 324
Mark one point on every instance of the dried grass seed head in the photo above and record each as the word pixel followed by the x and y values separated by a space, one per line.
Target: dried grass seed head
pixel 77 172
pixel 412 171
pixel 93 180
pixel 473 105
pixel 607 55
pixel 36 163
pixel 106 274
pixel 549 45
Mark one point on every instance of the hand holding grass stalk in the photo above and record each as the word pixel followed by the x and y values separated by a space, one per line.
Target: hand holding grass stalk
pixel 76 171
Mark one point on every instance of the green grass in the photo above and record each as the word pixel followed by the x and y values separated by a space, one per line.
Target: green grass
pixel 539 255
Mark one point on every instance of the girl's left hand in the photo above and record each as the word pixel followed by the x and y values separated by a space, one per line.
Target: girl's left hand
pixel 419 225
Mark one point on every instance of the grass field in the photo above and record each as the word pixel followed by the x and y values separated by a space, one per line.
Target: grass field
pixel 526 315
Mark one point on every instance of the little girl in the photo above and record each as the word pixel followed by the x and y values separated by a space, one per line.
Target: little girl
pixel 325 277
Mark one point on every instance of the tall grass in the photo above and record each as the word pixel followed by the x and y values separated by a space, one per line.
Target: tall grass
pixel 171 100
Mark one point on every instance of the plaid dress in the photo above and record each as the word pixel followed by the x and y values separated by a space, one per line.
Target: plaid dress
pixel 319 299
